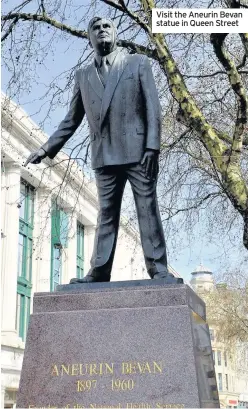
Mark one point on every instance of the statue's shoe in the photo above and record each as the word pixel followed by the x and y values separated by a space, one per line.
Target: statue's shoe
pixel 169 278
pixel 89 279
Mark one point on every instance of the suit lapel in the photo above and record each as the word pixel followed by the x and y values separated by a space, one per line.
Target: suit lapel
pixel 113 79
pixel 95 81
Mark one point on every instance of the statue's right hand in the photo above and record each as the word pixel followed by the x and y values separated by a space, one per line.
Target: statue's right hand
pixel 36 157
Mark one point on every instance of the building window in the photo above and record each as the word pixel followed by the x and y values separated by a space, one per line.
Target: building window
pixel 80 250
pixel 56 266
pixel 211 334
pixel 219 357
pixel 214 357
pixel 59 238
pixel 24 267
pixel 226 376
pixel 220 382
pixel 225 358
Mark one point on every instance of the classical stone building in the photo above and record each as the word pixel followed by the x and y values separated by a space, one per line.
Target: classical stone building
pixel 230 366
pixel 49 214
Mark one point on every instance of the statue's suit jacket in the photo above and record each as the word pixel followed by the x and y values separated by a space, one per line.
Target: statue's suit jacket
pixel 124 117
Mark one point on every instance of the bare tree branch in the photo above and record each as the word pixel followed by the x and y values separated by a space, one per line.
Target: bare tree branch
pixel 212 75
pixel 130 14
pixel 131 46
pixel 45 19
pixel 236 83
pixel 186 209
pixel 11 26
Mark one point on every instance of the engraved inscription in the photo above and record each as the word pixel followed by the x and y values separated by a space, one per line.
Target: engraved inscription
pixel 122 384
pixel 89 369
pixel 83 386
pixel 117 383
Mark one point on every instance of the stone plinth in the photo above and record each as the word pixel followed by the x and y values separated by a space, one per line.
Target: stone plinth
pixel 132 344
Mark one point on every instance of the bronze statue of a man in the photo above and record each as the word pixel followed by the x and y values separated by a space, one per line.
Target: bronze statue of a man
pixel 117 93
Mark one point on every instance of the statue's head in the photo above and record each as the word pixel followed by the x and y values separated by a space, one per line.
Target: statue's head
pixel 102 35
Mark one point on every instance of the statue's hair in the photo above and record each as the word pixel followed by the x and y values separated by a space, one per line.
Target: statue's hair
pixel 95 19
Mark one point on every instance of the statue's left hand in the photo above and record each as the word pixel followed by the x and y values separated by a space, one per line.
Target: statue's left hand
pixel 150 163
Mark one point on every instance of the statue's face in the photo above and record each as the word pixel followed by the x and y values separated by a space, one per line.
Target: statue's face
pixel 102 35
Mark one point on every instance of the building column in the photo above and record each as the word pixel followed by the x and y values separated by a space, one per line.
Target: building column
pixel 69 254
pixel 89 236
pixel 42 241
pixel 2 395
pixel 10 234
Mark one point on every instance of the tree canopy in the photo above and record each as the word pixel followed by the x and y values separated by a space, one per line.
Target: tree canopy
pixel 227 309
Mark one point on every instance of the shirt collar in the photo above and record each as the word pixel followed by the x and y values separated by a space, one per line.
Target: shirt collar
pixel 110 57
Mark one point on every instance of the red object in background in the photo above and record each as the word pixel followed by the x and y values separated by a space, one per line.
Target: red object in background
pixel 233 402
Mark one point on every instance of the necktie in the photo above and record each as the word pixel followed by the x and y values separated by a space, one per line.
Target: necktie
pixel 105 69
